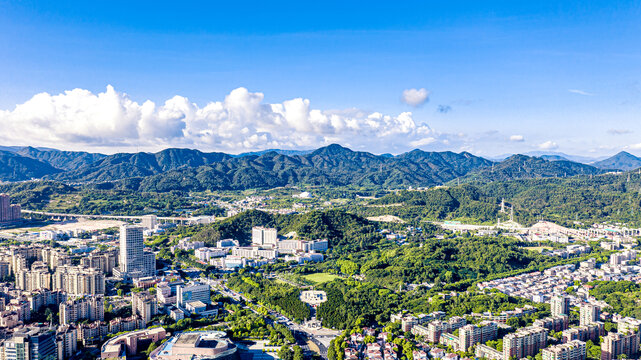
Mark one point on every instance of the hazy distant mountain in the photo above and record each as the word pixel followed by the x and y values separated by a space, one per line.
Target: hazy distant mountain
pixel 14 167
pixel 278 151
pixel 621 161
pixel 527 167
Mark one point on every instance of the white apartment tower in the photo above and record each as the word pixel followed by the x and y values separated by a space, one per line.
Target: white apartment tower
pixel 589 313
pixel 560 305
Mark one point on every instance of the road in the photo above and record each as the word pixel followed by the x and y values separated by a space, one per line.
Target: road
pixel 301 334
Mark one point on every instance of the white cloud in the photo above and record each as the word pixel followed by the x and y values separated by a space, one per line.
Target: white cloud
pixel 580 92
pixel 548 145
pixel 634 146
pixel 517 138
pixel 619 131
pixel 241 121
pixel 415 97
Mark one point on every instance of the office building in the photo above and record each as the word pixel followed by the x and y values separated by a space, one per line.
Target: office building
pixel 524 342
pixel 31 343
pixel 144 304
pixel 573 350
pixel 193 292
pixel 135 262
pixel 560 305
pixel 589 313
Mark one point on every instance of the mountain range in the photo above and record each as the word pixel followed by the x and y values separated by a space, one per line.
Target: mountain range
pixel 187 169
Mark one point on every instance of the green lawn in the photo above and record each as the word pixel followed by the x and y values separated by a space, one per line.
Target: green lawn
pixel 320 278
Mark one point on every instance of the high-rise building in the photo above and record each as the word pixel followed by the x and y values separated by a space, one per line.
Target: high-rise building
pixel 67 341
pixel 31 343
pixel 135 262
pixel 524 342
pixel 149 222
pixel 560 305
pixel 262 236
pixel 9 212
pixel 79 280
pixel 193 292
pixel 573 350
pixel 90 308
pixel 144 305
pixel 472 334
pixel 616 344
pixel 555 323
pixel 104 261
pixel 5 207
pixel 589 313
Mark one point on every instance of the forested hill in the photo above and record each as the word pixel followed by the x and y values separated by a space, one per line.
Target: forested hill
pixel 344 231
pixel 333 165
pixel 14 167
pixel 526 167
pixel 590 199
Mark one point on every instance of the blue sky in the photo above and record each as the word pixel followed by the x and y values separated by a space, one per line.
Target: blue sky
pixel 508 76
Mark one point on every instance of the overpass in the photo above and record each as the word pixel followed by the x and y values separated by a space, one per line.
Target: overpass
pixel 170 219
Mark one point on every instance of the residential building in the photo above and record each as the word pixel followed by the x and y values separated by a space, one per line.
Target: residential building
pixel 573 350
pixel 524 342
pixel 589 313
pixel 90 308
pixel 79 280
pixel 470 335
pixel 144 304
pixel 556 323
pixel 149 222
pixel 66 341
pixel 616 344
pixel 560 305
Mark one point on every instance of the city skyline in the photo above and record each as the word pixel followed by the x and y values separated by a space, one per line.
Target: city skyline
pixel 490 79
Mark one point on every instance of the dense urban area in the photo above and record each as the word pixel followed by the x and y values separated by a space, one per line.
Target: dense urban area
pixel 494 264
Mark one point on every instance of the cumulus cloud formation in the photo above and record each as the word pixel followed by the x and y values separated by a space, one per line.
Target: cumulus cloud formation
pixel 415 97
pixel 548 145
pixel 239 122
pixel 517 138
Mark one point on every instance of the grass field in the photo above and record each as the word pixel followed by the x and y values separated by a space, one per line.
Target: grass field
pixel 320 278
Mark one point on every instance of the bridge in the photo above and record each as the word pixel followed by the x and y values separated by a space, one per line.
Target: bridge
pixel 179 220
